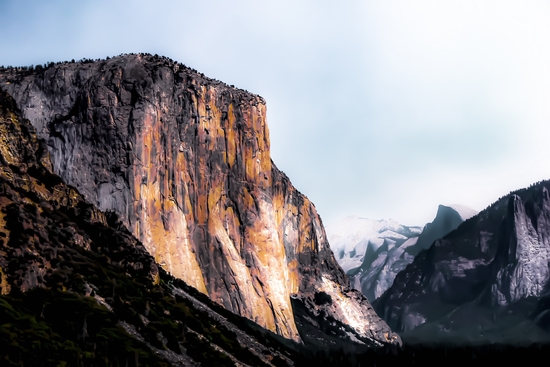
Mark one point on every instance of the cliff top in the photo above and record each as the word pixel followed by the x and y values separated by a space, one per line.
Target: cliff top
pixel 14 73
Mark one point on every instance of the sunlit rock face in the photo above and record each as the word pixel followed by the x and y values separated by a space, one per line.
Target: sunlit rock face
pixel 184 161
pixel 70 268
pixel 486 281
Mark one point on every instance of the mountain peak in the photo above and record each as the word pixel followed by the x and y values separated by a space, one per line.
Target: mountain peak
pixel 465 212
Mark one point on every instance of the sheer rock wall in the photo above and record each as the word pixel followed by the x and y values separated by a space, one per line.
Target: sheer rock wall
pixel 184 161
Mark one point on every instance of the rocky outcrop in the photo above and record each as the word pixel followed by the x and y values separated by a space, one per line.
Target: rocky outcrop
pixel 485 281
pixel 184 162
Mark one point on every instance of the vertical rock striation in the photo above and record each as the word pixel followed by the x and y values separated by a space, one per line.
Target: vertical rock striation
pixel 525 251
pixel 75 285
pixel 184 161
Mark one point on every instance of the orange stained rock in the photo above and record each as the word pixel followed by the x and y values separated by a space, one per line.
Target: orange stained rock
pixel 231 149
pixel 161 225
pixel 253 251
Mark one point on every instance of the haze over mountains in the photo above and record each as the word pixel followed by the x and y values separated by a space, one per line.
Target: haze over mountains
pixel 370 251
pixel 373 252
pixel 467 278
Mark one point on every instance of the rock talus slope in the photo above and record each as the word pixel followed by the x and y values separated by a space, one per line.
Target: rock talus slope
pixel 184 162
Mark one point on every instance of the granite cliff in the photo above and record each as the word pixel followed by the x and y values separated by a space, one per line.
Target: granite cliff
pixel 486 281
pixel 183 162
pixel 78 289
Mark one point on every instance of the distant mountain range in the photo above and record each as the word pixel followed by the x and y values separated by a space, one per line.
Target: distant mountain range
pixel 370 251
pixel 373 252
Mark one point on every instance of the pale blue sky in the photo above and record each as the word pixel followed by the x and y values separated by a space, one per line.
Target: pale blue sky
pixel 383 109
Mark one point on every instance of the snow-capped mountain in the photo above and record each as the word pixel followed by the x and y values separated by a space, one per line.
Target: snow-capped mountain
pixel 366 249
pixel 373 252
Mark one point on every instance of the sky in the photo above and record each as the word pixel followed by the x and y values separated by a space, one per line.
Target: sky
pixel 383 109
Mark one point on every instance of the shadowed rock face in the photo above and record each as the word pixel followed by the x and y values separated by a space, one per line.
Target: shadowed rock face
pixel 485 281
pixel 447 219
pixel 184 162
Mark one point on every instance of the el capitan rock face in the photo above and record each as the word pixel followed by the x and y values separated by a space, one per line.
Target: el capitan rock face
pixel 76 288
pixel 184 162
pixel 487 281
